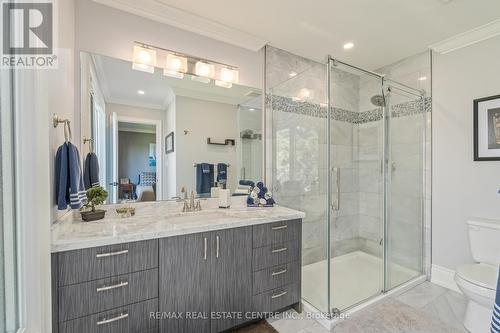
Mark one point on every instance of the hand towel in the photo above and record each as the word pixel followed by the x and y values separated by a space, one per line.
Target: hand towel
pixel 91 171
pixel 204 179
pixel 69 180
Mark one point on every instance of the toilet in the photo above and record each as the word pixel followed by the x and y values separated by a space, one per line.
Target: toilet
pixel 478 281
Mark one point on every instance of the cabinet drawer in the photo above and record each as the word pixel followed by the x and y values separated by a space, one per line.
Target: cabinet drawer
pixel 273 255
pixel 276 276
pixel 276 299
pixel 99 262
pixel 275 233
pixel 135 318
pixel 82 299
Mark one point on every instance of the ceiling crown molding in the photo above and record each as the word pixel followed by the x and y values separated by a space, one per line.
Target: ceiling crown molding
pixel 467 38
pixel 161 12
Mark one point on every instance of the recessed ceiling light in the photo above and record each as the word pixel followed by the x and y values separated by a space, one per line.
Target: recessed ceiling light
pixel 348 46
pixel 140 92
pixel 422 78
pixel 292 74
pixel 251 109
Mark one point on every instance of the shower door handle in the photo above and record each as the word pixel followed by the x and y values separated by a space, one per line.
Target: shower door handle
pixel 336 203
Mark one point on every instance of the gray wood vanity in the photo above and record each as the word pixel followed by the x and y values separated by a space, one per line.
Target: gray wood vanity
pixel 193 282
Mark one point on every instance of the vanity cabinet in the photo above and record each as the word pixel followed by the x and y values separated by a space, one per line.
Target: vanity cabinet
pixel 203 282
pixel 206 277
pixel 106 289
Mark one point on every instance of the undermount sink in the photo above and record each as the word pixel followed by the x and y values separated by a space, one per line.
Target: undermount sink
pixel 199 216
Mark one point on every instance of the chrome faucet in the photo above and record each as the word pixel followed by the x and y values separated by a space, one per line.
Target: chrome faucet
pixel 192 206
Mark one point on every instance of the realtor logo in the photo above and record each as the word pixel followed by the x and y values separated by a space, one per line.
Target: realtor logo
pixel 27 33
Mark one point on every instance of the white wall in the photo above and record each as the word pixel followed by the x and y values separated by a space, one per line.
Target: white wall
pixel 135 112
pixel 204 119
pixel 108 31
pixel 170 169
pixel 462 188
pixel 61 96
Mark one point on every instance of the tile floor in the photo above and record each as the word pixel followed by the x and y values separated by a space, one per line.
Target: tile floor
pixel 425 308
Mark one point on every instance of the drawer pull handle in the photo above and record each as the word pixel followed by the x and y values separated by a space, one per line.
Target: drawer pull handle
pixel 279 295
pixel 115 286
pixel 217 250
pixel 112 320
pixel 111 254
pixel 205 248
pixel 279 250
pixel 280 227
pixel 283 271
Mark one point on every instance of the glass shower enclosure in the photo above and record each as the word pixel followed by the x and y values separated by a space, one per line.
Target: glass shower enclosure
pixel 348 148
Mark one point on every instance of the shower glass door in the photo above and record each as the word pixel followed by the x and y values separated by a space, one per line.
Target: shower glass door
pixel 356 151
pixel 296 102
pixel 404 186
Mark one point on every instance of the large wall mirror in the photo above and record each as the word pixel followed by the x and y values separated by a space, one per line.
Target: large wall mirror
pixel 155 135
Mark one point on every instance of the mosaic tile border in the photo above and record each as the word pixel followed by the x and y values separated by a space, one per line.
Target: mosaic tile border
pixel 286 104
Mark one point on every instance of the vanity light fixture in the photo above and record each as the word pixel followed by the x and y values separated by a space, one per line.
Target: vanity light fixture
pixel 200 79
pixel 223 84
pixel 348 45
pixel 144 59
pixel 204 69
pixel 176 66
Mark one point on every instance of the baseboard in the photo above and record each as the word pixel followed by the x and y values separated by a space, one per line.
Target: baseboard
pixel 444 277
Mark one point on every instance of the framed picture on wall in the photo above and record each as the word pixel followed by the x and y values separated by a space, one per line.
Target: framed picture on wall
pixel 487 129
pixel 169 143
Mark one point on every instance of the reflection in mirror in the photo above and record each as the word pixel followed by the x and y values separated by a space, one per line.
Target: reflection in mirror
pixel 157 137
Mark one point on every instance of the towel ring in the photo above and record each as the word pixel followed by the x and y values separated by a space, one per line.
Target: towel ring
pixel 91 144
pixel 67 126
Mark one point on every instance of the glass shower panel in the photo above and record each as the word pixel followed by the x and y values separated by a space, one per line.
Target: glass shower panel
pixel 356 155
pixel 405 184
pixel 296 99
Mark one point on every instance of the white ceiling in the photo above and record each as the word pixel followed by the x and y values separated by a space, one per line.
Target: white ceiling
pixel 383 31
pixel 120 83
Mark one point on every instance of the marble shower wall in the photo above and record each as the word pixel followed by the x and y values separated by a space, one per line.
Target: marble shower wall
pixel 297 142
pixel 297 146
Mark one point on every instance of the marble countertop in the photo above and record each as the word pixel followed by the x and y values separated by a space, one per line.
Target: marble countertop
pixel 158 220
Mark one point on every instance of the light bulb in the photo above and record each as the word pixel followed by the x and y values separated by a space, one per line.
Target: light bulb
pixel 204 69
pixel 176 63
pixel 144 59
pixel 228 75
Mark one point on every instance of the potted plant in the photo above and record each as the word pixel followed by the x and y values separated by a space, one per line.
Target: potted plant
pixel 95 196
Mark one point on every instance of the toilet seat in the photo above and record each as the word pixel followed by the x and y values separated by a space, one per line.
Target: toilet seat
pixel 482 275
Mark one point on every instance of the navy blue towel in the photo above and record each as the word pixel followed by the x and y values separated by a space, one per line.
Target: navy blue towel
pixel 68 176
pixel 204 177
pixel 495 321
pixel 222 173
pixel 91 171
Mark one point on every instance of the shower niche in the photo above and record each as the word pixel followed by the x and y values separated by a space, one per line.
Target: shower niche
pixel 348 147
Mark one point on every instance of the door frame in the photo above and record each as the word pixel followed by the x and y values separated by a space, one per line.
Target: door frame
pixel 159 156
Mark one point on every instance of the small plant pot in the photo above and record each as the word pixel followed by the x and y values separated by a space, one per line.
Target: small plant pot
pixel 88 216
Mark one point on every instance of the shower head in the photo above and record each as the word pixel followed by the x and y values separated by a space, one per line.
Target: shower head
pixel 378 100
